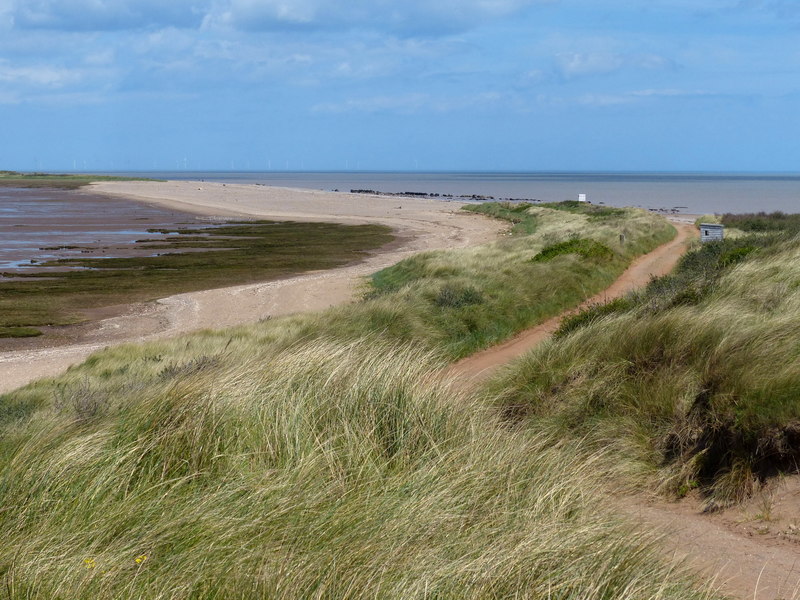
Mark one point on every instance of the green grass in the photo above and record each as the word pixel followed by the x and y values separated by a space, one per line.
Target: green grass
pixel 461 301
pixel 582 247
pixel 694 380
pixel 593 211
pixel 53 180
pixel 776 221
pixel 322 456
pixel 521 219
pixel 230 469
pixel 19 332
pixel 236 253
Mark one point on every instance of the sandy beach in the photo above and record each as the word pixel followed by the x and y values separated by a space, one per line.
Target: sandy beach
pixel 420 224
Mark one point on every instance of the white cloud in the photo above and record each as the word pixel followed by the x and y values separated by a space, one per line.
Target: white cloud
pixel 412 103
pixel 101 58
pixel 779 8
pixel 575 64
pixel 6 14
pixel 9 98
pixel 580 64
pixel 667 93
pixel 395 15
pixel 410 16
pixel 400 103
pixel 37 75
pixel 599 99
pixel 87 15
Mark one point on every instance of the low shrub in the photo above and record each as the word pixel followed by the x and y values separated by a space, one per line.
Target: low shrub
pixel 593 313
pixel 455 296
pixel 584 248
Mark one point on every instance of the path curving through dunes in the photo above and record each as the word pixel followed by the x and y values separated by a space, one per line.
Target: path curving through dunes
pixel 660 261
pixel 747 554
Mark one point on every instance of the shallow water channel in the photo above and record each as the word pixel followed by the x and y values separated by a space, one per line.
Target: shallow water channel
pixel 41 225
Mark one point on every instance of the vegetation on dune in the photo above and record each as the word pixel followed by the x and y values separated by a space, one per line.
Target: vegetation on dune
pixel 772 222
pixel 231 254
pixel 518 214
pixel 694 380
pixel 221 468
pixel 594 211
pixel 322 456
pixel 468 299
pixel 581 247
pixel 19 332
pixel 58 181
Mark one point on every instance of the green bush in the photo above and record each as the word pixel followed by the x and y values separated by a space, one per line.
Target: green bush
pixel 584 248
pixel 455 296
pixel 592 313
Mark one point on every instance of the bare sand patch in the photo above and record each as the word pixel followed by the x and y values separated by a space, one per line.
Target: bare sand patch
pixel 421 224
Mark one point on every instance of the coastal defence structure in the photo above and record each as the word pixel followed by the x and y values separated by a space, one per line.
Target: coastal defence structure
pixel 711 232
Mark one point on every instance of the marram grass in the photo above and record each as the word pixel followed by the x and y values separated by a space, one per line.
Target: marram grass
pixel 321 456
pixel 326 470
pixel 463 300
pixel 696 387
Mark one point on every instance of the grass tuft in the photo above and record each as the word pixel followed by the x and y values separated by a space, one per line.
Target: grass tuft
pixel 19 332
pixel 584 248
pixel 57 181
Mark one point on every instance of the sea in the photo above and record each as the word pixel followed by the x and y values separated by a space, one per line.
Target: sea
pixel 44 225
pixel 690 193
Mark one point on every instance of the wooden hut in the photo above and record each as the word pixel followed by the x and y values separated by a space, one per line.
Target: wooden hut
pixel 711 232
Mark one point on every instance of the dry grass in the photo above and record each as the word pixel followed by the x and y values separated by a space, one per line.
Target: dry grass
pixel 326 470
pixel 695 386
pixel 319 456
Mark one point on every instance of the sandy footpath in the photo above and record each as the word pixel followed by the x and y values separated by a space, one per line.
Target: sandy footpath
pixel 421 224
pixel 658 262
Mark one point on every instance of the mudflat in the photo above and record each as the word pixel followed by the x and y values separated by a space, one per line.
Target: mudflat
pixel 421 224
pixel 38 225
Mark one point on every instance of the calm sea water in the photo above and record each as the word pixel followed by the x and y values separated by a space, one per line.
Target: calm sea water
pixel 693 193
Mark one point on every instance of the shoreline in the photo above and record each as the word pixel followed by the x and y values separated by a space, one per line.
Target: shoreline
pixel 417 224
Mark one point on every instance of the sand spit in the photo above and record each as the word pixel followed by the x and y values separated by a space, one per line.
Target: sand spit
pixel 421 224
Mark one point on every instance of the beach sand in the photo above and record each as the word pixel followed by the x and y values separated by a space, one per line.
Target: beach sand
pixel 420 224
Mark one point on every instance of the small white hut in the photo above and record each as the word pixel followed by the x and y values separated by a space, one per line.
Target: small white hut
pixel 711 232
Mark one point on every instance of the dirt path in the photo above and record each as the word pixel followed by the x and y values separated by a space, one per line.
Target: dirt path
pixel 654 264
pixel 750 552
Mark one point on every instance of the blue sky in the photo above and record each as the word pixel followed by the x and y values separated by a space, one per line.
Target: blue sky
pixel 525 85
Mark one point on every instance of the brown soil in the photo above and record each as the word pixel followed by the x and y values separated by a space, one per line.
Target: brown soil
pixel 750 552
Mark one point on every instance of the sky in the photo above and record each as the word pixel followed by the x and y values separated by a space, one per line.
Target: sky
pixel 447 85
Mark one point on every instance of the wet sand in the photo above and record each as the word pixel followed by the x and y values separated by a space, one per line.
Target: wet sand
pixel 421 224
pixel 44 225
